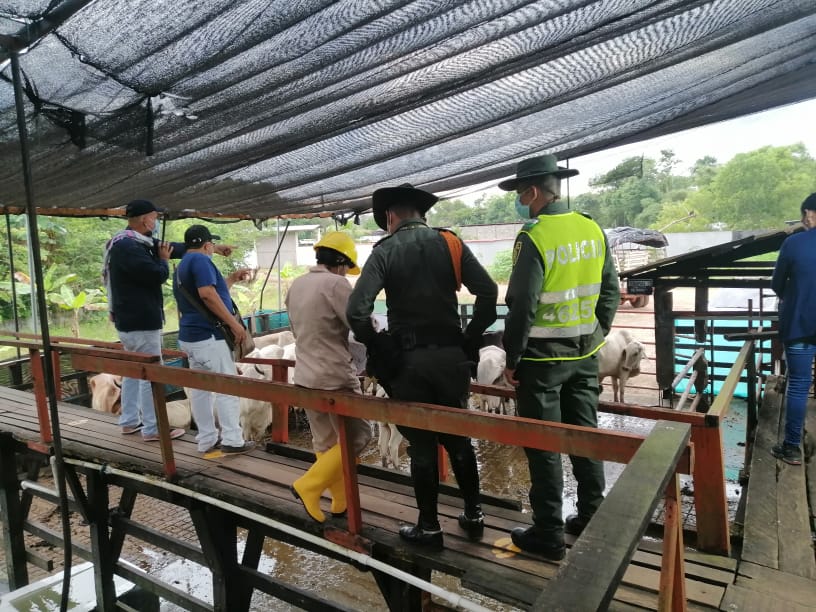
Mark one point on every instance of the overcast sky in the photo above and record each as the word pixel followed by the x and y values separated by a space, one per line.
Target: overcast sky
pixel 781 126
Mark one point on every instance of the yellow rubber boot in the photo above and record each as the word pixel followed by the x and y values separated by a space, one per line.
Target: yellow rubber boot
pixel 338 493
pixel 337 489
pixel 309 487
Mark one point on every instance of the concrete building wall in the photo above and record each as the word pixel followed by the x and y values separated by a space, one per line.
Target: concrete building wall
pixel 485 241
pixel 266 247
pixel 686 242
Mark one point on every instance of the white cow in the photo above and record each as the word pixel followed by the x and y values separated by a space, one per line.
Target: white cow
pixel 390 439
pixel 106 393
pixel 281 338
pixel 490 371
pixel 270 351
pixel 255 415
pixel 179 414
pixel 620 359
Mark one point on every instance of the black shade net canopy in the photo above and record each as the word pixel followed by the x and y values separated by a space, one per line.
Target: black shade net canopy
pixel 272 108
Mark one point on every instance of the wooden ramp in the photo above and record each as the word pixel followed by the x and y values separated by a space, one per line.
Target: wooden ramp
pixel 777 568
pixel 259 482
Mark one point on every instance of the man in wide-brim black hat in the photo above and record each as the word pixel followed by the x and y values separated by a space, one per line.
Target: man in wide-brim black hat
pixel 406 198
pixel 562 297
pixel 534 168
pixel 424 355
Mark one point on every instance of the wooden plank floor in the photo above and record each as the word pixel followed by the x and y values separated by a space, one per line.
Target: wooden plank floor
pixel 777 568
pixel 260 481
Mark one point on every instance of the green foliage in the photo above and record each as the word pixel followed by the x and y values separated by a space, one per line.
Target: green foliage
pixel 677 218
pixel 502 266
pixel 704 171
pixel 758 190
pixel 631 167
pixel 493 209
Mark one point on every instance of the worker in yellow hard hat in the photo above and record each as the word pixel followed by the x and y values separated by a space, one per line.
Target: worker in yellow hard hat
pixel 316 303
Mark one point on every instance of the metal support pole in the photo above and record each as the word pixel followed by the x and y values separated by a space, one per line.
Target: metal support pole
pixel 14 308
pixel 13 515
pixel 104 561
pixel 31 215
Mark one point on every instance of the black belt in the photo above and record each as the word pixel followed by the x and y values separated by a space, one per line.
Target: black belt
pixel 429 337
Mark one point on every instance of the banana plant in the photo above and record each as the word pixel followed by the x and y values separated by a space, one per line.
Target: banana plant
pixel 66 299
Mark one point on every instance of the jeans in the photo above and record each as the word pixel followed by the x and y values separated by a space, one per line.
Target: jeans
pixel 213 355
pixel 137 395
pixel 799 357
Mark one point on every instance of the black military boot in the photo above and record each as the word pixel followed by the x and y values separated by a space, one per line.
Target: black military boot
pixel 466 471
pixel 574 524
pixel 427 532
pixel 532 540
pixel 472 522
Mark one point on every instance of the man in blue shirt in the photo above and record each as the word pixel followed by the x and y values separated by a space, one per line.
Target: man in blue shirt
pixel 795 284
pixel 134 271
pixel 204 343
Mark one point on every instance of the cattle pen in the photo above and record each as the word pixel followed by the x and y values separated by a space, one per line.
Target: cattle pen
pixel 610 566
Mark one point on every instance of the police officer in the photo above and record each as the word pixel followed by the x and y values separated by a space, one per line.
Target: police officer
pixel 562 298
pixel 422 358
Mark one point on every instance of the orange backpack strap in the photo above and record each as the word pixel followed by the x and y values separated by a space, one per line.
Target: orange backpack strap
pixel 455 248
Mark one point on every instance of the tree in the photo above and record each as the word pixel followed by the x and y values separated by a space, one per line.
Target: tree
pixel 665 170
pixel 622 206
pixel 499 208
pixel 451 213
pixel 631 167
pixel 758 190
pixel 66 299
pixel 502 266
pixel 679 218
pixel 703 171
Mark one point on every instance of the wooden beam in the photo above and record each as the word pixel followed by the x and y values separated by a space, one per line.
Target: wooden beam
pixel 672 595
pixel 722 403
pixel 587 580
pixel 605 445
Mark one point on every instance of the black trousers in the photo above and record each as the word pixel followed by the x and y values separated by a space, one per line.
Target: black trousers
pixel 437 375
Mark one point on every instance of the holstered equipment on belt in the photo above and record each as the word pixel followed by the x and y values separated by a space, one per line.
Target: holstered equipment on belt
pixel 428 336
pixel 384 359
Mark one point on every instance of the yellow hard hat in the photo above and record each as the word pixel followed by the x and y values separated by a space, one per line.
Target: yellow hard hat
pixel 342 243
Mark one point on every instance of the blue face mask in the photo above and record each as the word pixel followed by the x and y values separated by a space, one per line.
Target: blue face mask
pixel 522 210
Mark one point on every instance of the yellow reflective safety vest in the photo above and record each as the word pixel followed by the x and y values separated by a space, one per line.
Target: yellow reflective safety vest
pixel 573 249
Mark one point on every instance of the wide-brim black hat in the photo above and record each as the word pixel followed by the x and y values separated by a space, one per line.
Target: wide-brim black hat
pixel 406 194
pixel 536 166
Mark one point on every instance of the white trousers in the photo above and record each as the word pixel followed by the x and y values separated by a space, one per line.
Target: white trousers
pixel 213 355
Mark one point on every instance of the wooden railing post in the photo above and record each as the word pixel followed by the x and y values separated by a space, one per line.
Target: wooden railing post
pixel 40 395
pixel 355 517
pixel 672 594
pixel 710 501
pixel 442 461
pixel 165 442
pixel 280 412
pixel 55 367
